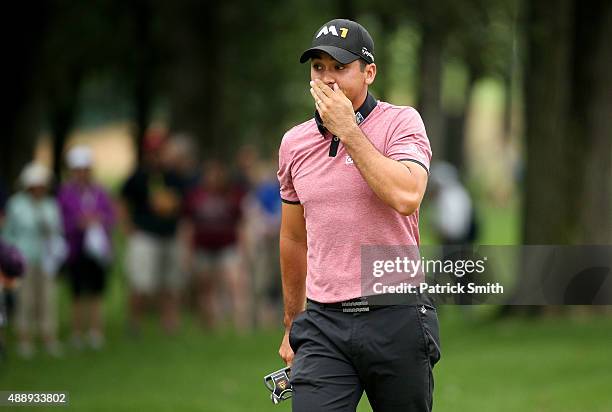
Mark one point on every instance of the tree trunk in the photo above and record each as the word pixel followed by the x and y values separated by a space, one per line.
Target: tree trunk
pixel 346 10
pixel 454 150
pixel 20 117
pixel 568 187
pixel 591 136
pixel 61 122
pixel 62 99
pixel 547 212
pixel 430 87
pixel 195 74
pixel 144 65
pixel 388 26
pixel 568 106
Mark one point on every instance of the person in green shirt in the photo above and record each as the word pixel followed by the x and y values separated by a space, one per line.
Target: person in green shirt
pixel 33 225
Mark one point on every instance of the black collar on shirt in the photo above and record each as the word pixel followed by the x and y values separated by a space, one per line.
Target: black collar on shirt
pixel 360 115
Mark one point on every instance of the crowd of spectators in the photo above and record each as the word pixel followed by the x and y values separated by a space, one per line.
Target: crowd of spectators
pixel 185 236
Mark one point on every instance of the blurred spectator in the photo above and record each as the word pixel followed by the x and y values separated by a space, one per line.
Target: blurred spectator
pixel 12 263
pixel 454 219
pixel 245 174
pixel 454 215
pixel 262 225
pixel 211 233
pixel 5 295
pixel 11 267
pixel 152 198
pixel 180 155
pixel 88 219
pixel 3 199
pixel 33 225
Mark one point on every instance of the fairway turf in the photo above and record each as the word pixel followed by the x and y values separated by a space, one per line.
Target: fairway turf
pixel 518 365
pixel 522 365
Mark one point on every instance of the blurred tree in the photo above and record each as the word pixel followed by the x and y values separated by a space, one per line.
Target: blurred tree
pixel 144 65
pixel 435 21
pixel 196 39
pixel 232 73
pixel 84 41
pixel 481 39
pixel 23 38
pixel 591 126
pixel 387 18
pixel 567 83
pixel 66 55
pixel 346 9
pixel 568 186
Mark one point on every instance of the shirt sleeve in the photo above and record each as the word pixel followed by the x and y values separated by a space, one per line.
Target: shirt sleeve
pixel 408 140
pixel 287 191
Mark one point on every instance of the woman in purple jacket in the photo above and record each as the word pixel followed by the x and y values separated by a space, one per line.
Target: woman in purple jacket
pixel 88 217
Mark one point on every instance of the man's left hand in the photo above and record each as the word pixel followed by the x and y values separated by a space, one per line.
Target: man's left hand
pixel 335 109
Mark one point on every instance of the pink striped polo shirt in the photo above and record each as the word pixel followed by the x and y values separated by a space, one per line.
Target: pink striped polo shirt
pixel 342 213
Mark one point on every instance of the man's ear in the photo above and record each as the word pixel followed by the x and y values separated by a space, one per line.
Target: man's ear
pixel 370 73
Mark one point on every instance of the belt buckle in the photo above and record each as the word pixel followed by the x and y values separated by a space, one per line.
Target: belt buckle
pixel 355 306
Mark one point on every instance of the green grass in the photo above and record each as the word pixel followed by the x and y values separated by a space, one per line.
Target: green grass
pixel 561 364
pixel 499 225
pixel 551 364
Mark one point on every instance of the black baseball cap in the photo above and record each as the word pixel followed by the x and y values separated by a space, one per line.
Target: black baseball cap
pixel 344 40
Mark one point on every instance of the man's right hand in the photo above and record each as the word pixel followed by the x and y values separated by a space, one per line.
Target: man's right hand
pixel 285 351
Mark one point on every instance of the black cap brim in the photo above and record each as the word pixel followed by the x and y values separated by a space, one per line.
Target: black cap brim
pixel 338 54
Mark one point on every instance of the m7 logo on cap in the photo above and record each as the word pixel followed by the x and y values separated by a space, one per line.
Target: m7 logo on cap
pixel 332 29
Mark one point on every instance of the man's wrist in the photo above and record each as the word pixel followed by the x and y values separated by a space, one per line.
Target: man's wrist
pixel 287 321
pixel 350 134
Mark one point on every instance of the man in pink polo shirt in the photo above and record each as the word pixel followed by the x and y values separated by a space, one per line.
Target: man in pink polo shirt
pixel 354 175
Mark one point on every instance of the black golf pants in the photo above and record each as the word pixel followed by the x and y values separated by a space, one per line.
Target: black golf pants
pixel 389 352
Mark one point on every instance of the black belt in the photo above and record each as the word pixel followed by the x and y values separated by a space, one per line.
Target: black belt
pixel 370 303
